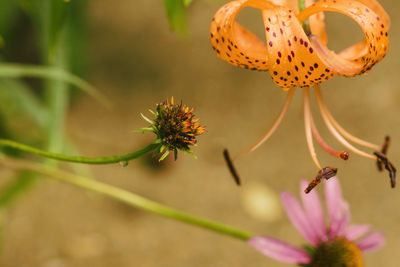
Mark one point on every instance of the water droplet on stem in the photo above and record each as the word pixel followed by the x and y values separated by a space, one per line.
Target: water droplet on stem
pixel 123 163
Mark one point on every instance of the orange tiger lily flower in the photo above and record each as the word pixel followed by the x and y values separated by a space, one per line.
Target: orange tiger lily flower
pixel 298 58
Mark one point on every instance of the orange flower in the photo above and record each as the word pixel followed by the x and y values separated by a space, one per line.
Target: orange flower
pixel 298 58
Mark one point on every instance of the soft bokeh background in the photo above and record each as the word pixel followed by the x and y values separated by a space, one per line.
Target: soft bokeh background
pixel 134 58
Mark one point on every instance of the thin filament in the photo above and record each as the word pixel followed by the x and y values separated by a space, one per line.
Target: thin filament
pixel 340 128
pixel 307 125
pixel 335 133
pixel 339 154
pixel 271 129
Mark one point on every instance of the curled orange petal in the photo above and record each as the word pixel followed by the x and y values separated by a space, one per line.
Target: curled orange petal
pixel 373 26
pixel 292 57
pixel 234 43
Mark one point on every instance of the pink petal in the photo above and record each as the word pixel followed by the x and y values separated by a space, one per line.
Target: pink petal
pixel 337 208
pixel 279 250
pixel 356 231
pixel 298 218
pixel 314 211
pixel 339 228
pixel 372 242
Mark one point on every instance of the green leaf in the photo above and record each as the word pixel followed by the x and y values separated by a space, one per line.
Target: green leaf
pixel 14 70
pixel 176 14
pixel 8 15
pixel 16 187
pixel 187 2
pixel 164 155
pixel 58 14
pixel 22 105
pixel 146 119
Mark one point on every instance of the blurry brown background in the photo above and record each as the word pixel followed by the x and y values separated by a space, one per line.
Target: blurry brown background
pixel 137 62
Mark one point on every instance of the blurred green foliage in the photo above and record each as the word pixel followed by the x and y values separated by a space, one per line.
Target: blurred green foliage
pixel 47 38
pixel 49 33
pixel 176 14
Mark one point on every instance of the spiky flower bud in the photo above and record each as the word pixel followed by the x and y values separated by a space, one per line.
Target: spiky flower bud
pixel 175 126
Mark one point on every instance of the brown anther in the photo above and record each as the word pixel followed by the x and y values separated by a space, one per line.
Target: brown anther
pixel 344 155
pixel 324 173
pixel 384 161
pixel 384 151
pixel 232 169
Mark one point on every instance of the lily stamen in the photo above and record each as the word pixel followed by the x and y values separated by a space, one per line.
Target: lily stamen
pixel 333 130
pixel 307 126
pixel 271 129
pixel 340 129
pixel 324 173
pixel 384 150
pixel 384 161
pixel 338 154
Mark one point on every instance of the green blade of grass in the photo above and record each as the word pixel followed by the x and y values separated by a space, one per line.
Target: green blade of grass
pixel 14 70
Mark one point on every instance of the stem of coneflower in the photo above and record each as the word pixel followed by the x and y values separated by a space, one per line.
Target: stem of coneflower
pixel 124 196
pixel 78 159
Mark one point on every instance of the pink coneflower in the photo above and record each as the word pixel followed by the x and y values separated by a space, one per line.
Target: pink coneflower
pixel 335 245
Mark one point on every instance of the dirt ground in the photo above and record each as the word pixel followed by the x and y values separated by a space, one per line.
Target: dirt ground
pixel 137 62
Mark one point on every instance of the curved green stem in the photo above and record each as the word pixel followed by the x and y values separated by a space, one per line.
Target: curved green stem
pixel 125 196
pixel 306 23
pixel 79 159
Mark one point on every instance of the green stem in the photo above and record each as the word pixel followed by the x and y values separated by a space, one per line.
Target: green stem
pixel 79 159
pixel 302 5
pixel 125 196
pixel 306 23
